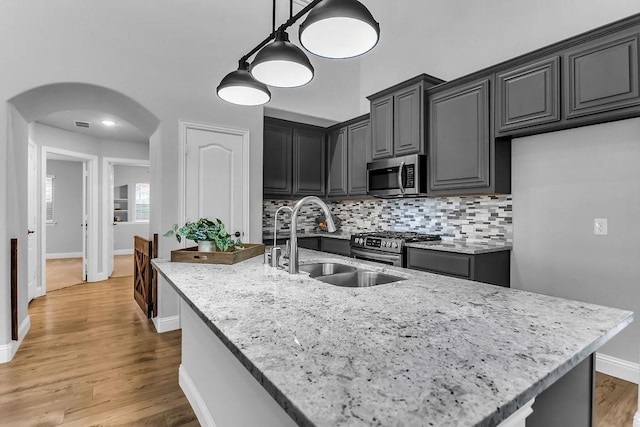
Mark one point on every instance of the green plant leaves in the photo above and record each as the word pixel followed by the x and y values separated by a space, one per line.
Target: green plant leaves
pixel 205 229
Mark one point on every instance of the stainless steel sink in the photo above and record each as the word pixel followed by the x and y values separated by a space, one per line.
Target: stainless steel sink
pixel 359 279
pixel 326 268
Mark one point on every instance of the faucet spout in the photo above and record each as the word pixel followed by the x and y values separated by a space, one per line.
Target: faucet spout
pixel 331 227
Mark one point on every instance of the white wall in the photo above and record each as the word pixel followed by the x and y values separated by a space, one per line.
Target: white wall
pixel 65 234
pixel 561 182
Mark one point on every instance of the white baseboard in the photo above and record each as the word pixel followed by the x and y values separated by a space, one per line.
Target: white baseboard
pixel 7 351
pixel 618 368
pixel 60 255
pixel 123 252
pixel 166 324
pixel 195 399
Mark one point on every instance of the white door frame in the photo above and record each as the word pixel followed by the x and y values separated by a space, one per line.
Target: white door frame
pixel 39 253
pixel 182 172
pixel 92 214
pixel 107 203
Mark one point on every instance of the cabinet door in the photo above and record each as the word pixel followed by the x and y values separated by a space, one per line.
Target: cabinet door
pixel 277 159
pixel 407 123
pixel 358 142
pixel 528 95
pixel 337 180
pixel 602 75
pixel 308 162
pixel 460 138
pixel 382 128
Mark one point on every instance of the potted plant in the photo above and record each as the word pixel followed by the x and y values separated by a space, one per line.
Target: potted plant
pixel 209 235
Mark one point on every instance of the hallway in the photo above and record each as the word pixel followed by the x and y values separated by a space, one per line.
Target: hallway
pixel 91 357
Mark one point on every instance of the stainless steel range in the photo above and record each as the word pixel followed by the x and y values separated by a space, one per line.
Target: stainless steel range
pixel 386 246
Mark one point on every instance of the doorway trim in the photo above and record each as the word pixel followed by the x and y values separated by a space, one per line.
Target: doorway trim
pixel 107 202
pixel 182 170
pixel 92 214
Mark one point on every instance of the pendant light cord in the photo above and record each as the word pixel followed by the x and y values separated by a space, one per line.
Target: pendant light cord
pixel 290 9
pixel 292 20
pixel 273 25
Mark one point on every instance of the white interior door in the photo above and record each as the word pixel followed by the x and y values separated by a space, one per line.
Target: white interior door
pixel 85 218
pixel 32 223
pixel 214 177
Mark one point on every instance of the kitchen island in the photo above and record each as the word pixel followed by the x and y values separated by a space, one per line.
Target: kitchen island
pixel 429 350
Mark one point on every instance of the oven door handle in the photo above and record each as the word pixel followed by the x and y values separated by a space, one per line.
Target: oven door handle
pixel 400 170
pixel 373 256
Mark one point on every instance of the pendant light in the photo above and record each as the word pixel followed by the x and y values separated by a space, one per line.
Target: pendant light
pixel 282 64
pixel 239 87
pixel 339 29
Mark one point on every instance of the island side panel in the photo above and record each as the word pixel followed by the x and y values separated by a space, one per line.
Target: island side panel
pixel 569 401
pixel 216 384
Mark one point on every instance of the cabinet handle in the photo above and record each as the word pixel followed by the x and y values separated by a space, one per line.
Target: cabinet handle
pixel 400 170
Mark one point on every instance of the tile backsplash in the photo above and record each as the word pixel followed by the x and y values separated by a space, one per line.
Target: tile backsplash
pixel 475 219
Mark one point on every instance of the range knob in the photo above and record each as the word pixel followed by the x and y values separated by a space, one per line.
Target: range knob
pixel 386 244
pixel 395 245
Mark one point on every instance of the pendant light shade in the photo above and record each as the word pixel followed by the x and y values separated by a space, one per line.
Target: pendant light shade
pixel 239 87
pixel 282 64
pixel 339 29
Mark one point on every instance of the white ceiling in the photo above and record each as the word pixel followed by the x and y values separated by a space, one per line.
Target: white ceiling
pixel 122 131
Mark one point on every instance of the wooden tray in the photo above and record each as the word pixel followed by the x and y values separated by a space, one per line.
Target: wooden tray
pixel 192 255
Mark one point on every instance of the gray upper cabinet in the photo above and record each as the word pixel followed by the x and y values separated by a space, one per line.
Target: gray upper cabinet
pixel 459 146
pixel 408 132
pixel 358 142
pixel 308 162
pixel 277 159
pixel 398 118
pixel 348 156
pixel 601 75
pixel 528 95
pixel 382 128
pixel 293 159
pixel 337 158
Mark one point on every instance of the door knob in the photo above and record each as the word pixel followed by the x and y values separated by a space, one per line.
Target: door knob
pixel 31 231
pixel 237 234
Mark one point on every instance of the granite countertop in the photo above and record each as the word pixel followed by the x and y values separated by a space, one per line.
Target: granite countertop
pixel 430 348
pixel 461 247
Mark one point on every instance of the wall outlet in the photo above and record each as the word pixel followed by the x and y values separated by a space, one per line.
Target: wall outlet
pixel 600 226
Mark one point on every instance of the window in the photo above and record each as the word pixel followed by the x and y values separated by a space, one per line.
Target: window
pixel 48 198
pixel 142 201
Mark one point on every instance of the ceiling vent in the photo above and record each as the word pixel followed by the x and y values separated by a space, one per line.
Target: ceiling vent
pixel 81 124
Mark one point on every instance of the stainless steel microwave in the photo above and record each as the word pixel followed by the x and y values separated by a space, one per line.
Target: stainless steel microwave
pixel 398 177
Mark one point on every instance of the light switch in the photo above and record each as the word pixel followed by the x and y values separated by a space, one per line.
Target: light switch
pixel 600 226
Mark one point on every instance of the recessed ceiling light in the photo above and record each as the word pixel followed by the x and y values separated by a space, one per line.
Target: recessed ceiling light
pixel 108 123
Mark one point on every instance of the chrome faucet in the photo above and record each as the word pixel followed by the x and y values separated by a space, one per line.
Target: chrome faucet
pixel 293 248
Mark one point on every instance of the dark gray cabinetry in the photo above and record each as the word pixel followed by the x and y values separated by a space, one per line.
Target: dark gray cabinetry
pixel 528 95
pixel 492 268
pixel 459 146
pixel 602 75
pixel 309 243
pixel 338 163
pixel 382 127
pixel 277 159
pixel 335 246
pixel 308 162
pixel 348 156
pixel 293 159
pixel 398 118
pixel 358 136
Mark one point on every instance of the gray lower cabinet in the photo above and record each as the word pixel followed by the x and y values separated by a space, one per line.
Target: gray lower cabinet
pixel 460 139
pixel 335 246
pixel 528 95
pixel 293 159
pixel 602 74
pixel 492 267
pixel 312 243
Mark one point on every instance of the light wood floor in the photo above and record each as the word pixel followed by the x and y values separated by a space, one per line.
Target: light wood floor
pixel 92 358
pixel 65 272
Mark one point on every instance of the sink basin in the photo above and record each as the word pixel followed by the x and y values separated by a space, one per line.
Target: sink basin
pixel 359 279
pixel 326 268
